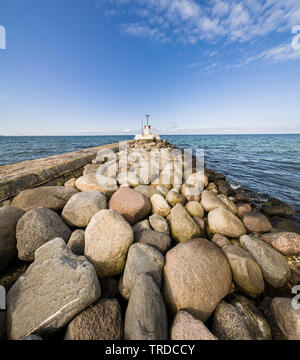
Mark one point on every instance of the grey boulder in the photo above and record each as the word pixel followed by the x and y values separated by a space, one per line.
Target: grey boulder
pixel 37 227
pixel 54 289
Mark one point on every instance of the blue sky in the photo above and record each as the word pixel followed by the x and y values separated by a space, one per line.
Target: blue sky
pixel 95 67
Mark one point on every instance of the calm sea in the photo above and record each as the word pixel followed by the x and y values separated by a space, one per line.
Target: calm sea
pixel 268 164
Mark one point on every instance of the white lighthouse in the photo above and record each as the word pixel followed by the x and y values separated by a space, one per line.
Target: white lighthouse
pixel 146 134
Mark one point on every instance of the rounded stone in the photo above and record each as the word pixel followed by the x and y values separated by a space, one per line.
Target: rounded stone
pixel 107 240
pixel 129 203
pixel 160 205
pixel 222 221
pixel 37 227
pixel 183 226
pixel 191 268
pixel 79 210
pixel 159 224
pixel 210 201
pixel 195 209
pixel 256 222
pixel 245 270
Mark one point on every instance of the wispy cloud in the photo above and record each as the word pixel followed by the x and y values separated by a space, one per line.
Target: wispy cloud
pixel 190 21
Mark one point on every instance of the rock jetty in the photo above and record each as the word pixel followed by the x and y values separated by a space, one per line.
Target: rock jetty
pixel 132 248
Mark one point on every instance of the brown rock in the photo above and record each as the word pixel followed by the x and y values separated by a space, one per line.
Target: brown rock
pixel 52 197
pixel 256 222
pixel 287 317
pixel 102 321
pixel 288 243
pixel 132 205
pixel 187 327
pixel 192 267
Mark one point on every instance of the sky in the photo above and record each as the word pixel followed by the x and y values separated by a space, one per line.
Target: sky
pixel 95 67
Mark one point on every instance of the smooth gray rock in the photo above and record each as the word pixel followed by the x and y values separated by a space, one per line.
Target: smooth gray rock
pixel 160 241
pixel 141 259
pixel 146 315
pixel 54 289
pixel 275 268
pixel 9 217
pixel 37 227
pixel 76 242
pixel 79 210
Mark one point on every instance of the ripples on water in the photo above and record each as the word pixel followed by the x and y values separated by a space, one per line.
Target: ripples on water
pixel 268 164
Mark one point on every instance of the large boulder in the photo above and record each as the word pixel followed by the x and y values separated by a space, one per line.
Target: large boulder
pixel 274 266
pixel 183 226
pixel 146 315
pixel 9 217
pixel 159 224
pixel 187 327
pixel 91 182
pixel 132 205
pixel 76 242
pixel 191 268
pixel 288 243
pixel 82 207
pixel 107 240
pixel 141 259
pixel 256 222
pixel 245 270
pixel 160 205
pixel 54 289
pixel 102 321
pixel 37 227
pixel 52 197
pixel 222 221
pixel 210 201
pixel 160 241
pixel 287 317
pixel 191 192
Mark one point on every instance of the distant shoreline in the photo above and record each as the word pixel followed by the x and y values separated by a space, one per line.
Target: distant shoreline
pixel 126 135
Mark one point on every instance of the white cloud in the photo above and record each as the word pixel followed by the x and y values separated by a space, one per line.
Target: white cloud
pixel 190 21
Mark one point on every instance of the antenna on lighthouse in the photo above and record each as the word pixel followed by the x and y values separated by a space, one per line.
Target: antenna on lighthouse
pixel 142 120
